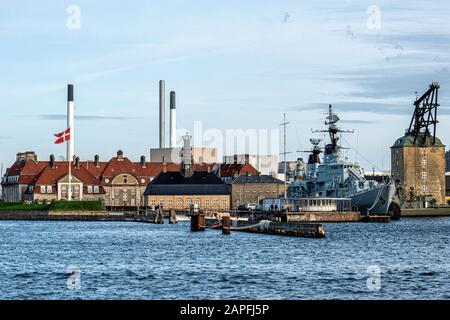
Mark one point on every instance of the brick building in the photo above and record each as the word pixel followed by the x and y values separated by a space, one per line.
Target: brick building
pixel 252 189
pixel 419 167
pixel 447 161
pixel 118 182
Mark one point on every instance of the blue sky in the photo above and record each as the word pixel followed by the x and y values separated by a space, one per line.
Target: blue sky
pixel 233 64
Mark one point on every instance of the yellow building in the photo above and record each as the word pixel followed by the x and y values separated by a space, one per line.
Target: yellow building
pixel 173 190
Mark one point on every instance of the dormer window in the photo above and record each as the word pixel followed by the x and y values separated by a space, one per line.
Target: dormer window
pixel 42 189
pixel 49 189
pixel 89 189
pixel 96 189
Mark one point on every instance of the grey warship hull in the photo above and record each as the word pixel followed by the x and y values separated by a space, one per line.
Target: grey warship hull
pixel 376 200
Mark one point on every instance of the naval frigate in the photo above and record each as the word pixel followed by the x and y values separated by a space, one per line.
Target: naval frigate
pixel 337 177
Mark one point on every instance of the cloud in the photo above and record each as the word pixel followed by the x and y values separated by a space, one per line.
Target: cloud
pixel 359 121
pixel 81 118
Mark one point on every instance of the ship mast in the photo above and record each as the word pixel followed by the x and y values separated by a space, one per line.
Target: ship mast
pixel 284 153
pixel 331 121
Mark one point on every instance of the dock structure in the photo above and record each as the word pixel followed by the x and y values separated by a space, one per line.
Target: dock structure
pixel 375 218
pixel 296 229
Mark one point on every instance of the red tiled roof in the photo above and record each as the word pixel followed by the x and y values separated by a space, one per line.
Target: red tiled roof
pixel 40 172
pixel 50 176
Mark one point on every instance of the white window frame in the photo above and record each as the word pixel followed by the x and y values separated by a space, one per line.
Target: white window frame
pixel 49 189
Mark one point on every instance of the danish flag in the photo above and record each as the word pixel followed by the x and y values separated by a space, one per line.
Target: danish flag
pixel 62 136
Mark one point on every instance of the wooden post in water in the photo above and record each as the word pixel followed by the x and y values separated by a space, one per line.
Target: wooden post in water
pixel 159 216
pixel 226 225
pixel 198 222
pixel 172 216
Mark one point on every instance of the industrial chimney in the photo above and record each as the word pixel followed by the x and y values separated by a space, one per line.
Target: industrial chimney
pixel 173 120
pixel 162 102
pixel 70 123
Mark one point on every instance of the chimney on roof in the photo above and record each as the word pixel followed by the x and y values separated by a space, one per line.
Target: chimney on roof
pixel 77 162
pixel 27 155
pixel 119 154
pixel 97 160
pixel 247 158
pixel 164 164
pixel 235 159
pixel 143 161
pixel 52 161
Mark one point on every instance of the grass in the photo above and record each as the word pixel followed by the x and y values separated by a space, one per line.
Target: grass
pixel 54 206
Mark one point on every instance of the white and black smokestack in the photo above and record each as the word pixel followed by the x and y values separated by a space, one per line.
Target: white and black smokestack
pixel 173 120
pixel 162 102
pixel 70 123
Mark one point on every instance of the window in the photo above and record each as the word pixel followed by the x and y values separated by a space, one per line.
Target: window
pixel 96 189
pixel 170 204
pixel 424 162
pixel 216 203
pixel 63 188
pixel 153 202
pixel 180 203
pixel 424 189
pixel 116 192
pixel 224 202
pixel 161 203
pixel 424 175
pixel 197 202
pixel 89 189
pixel 207 203
pixel 49 189
pixel 42 189
pixel 188 202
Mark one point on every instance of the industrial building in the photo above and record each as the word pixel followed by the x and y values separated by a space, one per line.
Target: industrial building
pixel 170 152
pixel 418 157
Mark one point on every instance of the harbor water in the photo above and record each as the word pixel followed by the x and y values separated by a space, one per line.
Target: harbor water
pixel 406 259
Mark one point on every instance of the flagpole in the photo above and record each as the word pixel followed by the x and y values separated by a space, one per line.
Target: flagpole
pixel 70 142
pixel 69 192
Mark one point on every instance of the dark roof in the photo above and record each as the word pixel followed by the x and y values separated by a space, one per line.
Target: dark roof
pixel 257 179
pixel 174 183
pixel 408 141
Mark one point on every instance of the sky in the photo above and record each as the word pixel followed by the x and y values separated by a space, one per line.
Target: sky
pixel 234 65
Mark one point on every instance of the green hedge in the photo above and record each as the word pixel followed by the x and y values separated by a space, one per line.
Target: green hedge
pixel 56 206
pixel 76 206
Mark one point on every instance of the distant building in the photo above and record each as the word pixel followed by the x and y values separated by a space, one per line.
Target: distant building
pixel 420 166
pixel 229 172
pixel 252 189
pixel 185 187
pixel 173 155
pixel 294 169
pixel 447 161
pixel 265 164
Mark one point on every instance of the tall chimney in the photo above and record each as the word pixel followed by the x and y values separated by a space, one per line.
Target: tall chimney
pixel 97 160
pixel 173 120
pixel 70 123
pixel 52 161
pixel 162 102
